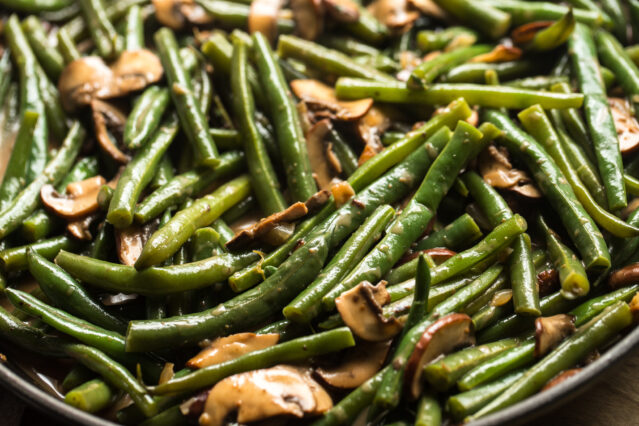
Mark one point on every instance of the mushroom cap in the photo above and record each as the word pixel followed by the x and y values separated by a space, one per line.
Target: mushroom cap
pixel 263 17
pixel 550 331
pixel 626 125
pixel 83 80
pixel 79 201
pixel 309 18
pixel 441 337
pixel 261 394
pixel 322 100
pixel 356 366
pixel 346 11
pixel 136 69
pixel 498 172
pixel 109 121
pixel 500 53
pixel 227 348
pixel 361 310
pixel 393 13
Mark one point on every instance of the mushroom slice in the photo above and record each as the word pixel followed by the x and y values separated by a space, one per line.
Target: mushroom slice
pixel 83 80
pixel 130 241
pixel 109 123
pixel 430 8
pixel 547 281
pixel 549 331
pixel 317 200
pixel 361 310
pixel 80 228
pixel 309 18
pixel 322 171
pixel 134 70
pixel 332 158
pixel 263 17
pixel 193 407
pixel 498 172
pixel 629 274
pixel 227 348
pixel 321 99
pixel 393 13
pixel 261 394
pixel 626 125
pixel 345 11
pixel 500 53
pixel 524 34
pixel 358 365
pixel 369 128
pixel 175 13
pixel 79 201
pixel 560 378
pixel 501 297
pixel 342 192
pixel 248 235
pixel 441 337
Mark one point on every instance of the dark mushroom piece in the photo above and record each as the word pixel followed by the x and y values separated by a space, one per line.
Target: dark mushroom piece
pixel 342 192
pixel 79 200
pixel 395 14
pixel 560 378
pixel 626 125
pixel 430 8
pixel 547 281
pixel 322 101
pixel 261 394
pixel 109 122
pixel 81 228
pixel 346 11
pixel 309 18
pixel 176 14
pixel 500 53
pixel 443 336
pixel 322 171
pixel 550 331
pixel 361 310
pixel 227 348
pixel 130 241
pixel 629 274
pixel 263 17
pixel 496 169
pixel 357 365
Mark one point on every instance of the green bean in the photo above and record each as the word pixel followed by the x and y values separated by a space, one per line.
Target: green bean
pixel 114 373
pixel 255 306
pixel 233 14
pixel 67 294
pixel 552 183
pixel 419 304
pixel 427 71
pixel 618 15
pixel 614 56
pixel 137 175
pixel 47 55
pixel 28 337
pixel 490 314
pixel 440 94
pixel 28 199
pixel 429 413
pixel 134 32
pixel 294 350
pixel 287 124
pixel 536 122
pixel 523 12
pixel 239 210
pixel 263 178
pixel 76 376
pixel 77 28
pixel 67 46
pixel 474 72
pixel 56 118
pixel 15 259
pixel 326 60
pixel 187 185
pixel 103 244
pixel 30 96
pixel 598 116
pixel 553 36
pixel 92 396
pixel 145 116
pixel 162 175
pixel 574 349
pixel 35 6
pixel 167 240
pixel 522 276
pixel 537 83
pixel 454 37
pixel 192 119
pixel 488 20
pixel 106 39
pixel 153 281
pixel 6 71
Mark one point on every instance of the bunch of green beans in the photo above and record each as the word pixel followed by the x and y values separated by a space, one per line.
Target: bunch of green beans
pixel 330 179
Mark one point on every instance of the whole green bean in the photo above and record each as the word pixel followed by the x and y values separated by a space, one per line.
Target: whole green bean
pixel 106 39
pixel 233 14
pixel 192 119
pixel 489 20
pixel 14 259
pixel 440 94
pixel 145 116
pixel 453 36
pixel 35 6
pixel 28 337
pixel 427 71
pixel 618 15
pixel 134 31
pixel 553 36
pixel 67 47
pixel 162 175
pixel 523 12
pixel 47 55
pixel 474 72
pixel 77 28
pixel 614 56
pixel 138 173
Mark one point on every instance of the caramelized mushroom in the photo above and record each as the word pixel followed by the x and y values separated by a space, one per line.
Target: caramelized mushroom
pixel 309 18
pixel 80 199
pixel 130 241
pixel 361 310
pixel 547 281
pixel 358 365
pixel 342 192
pixel 560 378
pixel 317 200
pixel 629 274
pixel 109 123
pixel 176 13
pixel 80 228
pixel 332 158
pixel 626 125
pixel 497 171
pixel 430 8
pixel 262 394
pixel 549 331
pixel 263 17
pixel 345 11
pixel 525 33
pixel 227 348
pixel 441 337
pixel 134 70
pixel 501 297
pixel 321 99
pixel 393 13
pixel 193 407
pixel 500 53
pixel 322 171
pixel 265 225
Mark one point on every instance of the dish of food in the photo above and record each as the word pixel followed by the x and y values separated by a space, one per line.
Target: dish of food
pixel 322 212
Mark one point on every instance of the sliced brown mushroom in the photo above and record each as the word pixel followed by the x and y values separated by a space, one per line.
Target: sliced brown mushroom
pixel 547 281
pixel 265 225
pixel 550 331
pixel 322 100
pixel 89 78
pixel 109 124
pixel 262 394
pixel 443 336
pixel 80 199
pixel 626 125
pixel 376 121
pixel 322 171
pixel 560 378
pixel 167 373
pixel 357 365
pixel 81 227
pixel 263 17
pixel 627 275
pixel 498 172
pixel 430 8
pixel 501 297
pixel 342 192
pixel 500 53
pixel 332 158
pixel 346 11
pixel 176 14
pixel 193 407
pixel 309 18
pixel 361 310
pixel 130 241
pixel 395 14
pixel 227 348
pixel 525 33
